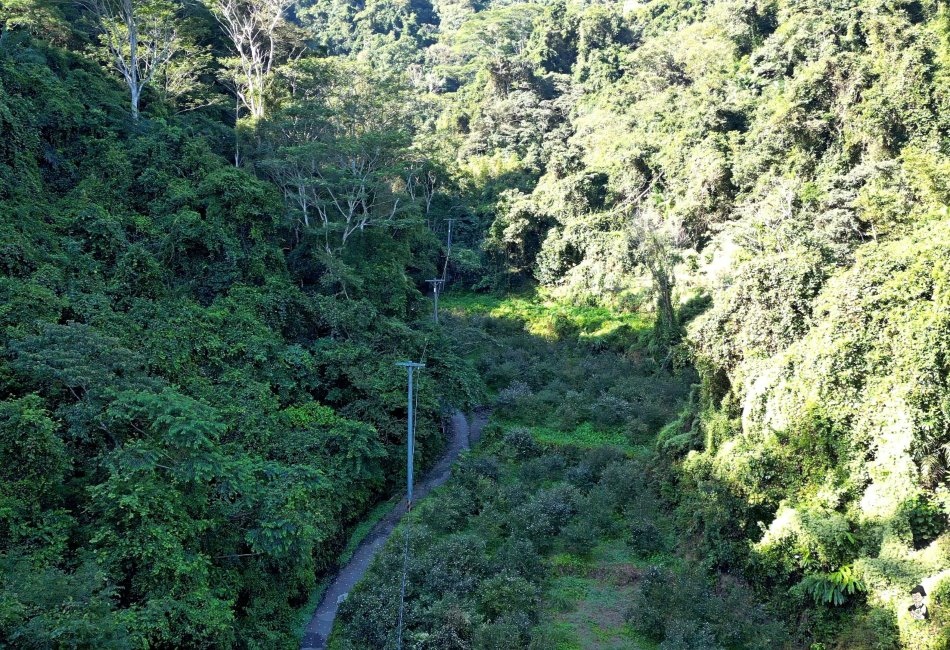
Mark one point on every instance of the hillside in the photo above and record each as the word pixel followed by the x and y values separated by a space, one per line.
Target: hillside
pixel 727 219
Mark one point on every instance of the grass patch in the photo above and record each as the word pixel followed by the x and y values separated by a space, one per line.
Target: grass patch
pixel 585 600
pixel 569 564
pixel 565 592
pixel 550 319
pixel 559 635
pixel 594 619
pixel 584 436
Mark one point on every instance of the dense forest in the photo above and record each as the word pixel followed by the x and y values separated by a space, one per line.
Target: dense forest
pixel 696 256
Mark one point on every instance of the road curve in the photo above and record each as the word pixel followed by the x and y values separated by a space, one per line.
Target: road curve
pixel 461 436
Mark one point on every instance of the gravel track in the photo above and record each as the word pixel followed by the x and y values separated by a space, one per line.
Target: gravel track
pixel 462 434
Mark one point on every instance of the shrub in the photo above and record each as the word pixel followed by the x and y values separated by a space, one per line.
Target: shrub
pixel 452 627
pixel 599 507
pixel 471 469
pixel 683 611
pixel 572 409
pixel 506 595
pixel 449 511
pixel 519 444
pixel 517 556
pixel 542 518
pixel 454 564
pixel 927 520
pixel 644 536
pixel 833 588
pixel 599 458
pixel 687 634
pixel 580 536
pixel 502 635
pixel 625 479
pixel 516 392
pixel 610 411
pixel 549 467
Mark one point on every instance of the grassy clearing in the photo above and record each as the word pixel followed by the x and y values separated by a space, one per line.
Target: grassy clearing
pixel 587 598
pixel 583 437
pixel 549 319
pixel 586 436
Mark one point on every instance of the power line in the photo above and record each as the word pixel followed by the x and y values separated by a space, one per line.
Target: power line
pixel 413 406
pixel 411 366
pixel 448 251
pixel 402 588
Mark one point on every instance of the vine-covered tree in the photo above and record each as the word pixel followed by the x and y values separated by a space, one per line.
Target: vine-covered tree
pixel 655 246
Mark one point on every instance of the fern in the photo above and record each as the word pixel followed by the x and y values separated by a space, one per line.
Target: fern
pixel 833 588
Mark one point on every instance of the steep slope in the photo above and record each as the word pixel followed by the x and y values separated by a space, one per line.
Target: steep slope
pixel 187 425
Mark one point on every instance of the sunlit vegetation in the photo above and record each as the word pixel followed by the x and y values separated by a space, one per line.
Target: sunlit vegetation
pixel 545 522
pixel 698 271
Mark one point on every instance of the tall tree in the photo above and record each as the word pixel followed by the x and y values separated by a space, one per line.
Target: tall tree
pixel 253 28
pixel 338 149
pixel 139 36
pixel 655 244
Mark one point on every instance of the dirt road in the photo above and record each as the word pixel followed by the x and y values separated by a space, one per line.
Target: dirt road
pixel 462 434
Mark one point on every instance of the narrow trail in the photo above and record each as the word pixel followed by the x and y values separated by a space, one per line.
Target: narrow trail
pixel 462 434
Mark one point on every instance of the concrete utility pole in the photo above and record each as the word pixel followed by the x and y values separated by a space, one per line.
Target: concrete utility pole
pixel 436 288
pixel 411 430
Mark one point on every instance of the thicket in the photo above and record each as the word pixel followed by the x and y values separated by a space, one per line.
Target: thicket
pixel 194 406
pixel 193 297
pixel 481 555
pixel 579 374
pixel 539 495
pixel 785 159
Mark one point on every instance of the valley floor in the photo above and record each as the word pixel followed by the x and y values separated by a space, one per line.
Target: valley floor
pixel 550 533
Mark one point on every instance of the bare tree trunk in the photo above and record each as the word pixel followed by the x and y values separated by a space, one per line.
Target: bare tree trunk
pixel 140 40
pixel 252 26
pixel 237 132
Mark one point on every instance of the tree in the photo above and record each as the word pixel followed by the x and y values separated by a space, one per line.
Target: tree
pixel 338 150
pixel 656 246
pixel 498 34
pixel 43 18
pixel 253 28
pixel 140 37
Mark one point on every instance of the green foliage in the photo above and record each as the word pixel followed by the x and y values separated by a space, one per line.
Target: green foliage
pixel 833 588
pixel 337 147
pixel 509 543
pixel 573 376
pixel 477 548
pixel 682 610
pixel 198 386
pixel 191 418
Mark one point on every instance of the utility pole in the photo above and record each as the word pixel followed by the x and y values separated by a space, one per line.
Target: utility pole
pixel 436 288
pixel 410 430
